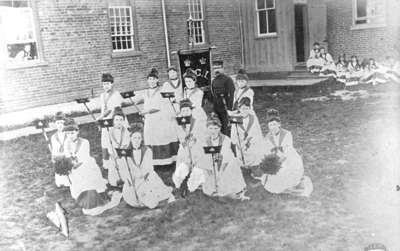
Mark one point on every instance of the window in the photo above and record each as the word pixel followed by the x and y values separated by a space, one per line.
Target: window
pixel 196 27
pixel 266 17
pixel 19 42
pixel 121 28
pixel 369 12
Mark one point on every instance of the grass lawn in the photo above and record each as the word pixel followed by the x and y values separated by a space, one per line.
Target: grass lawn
pixel 346 147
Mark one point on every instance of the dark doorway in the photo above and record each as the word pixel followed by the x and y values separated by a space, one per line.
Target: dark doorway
pixel 300 30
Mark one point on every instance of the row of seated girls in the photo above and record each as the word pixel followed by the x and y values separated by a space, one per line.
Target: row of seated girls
pixel 352 72
pixel 161 139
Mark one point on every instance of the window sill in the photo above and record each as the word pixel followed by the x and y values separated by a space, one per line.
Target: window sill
pixel 26 64
pixel 123 54
pixel 367 26
pixel 267 36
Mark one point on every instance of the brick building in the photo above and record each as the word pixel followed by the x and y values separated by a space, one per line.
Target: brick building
pixel 73 41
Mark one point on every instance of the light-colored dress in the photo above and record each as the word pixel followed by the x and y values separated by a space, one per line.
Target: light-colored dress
pixel 190 152
pixel 250 141
pixel 118 138
pixel 341 71
pixel 290 176
pixel 159 127
pixel 87 183
pixel 354 73
pixel 225 178
pixel 314 62
pixel 174 86
pixel 143 187
pixel 328 67
pixel 195 95
pixel 373 74
pixel 57 150
pixel 240 93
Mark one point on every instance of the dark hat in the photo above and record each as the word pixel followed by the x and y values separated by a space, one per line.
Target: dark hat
pixel 185 103
pixel 153 73
pixel 172 68
pixel 107 77
pixel 59 116
pixel 190 74
pixel 218 63
pixel 70 125
pixel 118 112
pixel 242 75
pixel 136 127
pixel 273 115
pixel 213 120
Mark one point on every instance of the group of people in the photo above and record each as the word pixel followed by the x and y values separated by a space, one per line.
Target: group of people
pixel 210 152
pixel 352 72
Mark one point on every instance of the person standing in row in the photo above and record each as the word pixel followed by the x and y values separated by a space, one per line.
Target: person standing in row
pixel 174 85
pixel 222 89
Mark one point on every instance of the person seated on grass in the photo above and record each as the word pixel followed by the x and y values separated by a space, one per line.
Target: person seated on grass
pixel 88 187
pixel 248 136
pixel 242 90
pixel 341 68
pixel 282 166
pixel 391 69
pixel 188 176
pixel 314 63
pixel 372 73
pixel 223 176
pixel 142 186
pixel 354 71
pixel 57 147
pixel 328 65
pixel 119 137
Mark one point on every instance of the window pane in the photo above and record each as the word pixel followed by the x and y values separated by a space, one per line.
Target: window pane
pixel 270 3
pixel 262 21
pixel 260 4
pixel 361 8
pixel 271 21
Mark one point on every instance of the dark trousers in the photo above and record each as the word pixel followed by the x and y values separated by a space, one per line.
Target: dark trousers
pixel 223 116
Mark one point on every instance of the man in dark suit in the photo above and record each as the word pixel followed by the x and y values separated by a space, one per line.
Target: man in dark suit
pixel 222 89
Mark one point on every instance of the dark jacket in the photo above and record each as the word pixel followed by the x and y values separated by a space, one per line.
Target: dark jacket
pixel 222 84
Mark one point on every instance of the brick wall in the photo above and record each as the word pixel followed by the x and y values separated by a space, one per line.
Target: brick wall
pixel 365 43
pixel 76 45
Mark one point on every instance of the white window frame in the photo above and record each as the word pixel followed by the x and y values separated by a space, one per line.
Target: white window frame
pixel 268 34
pixel 355 18
pixel 126 34
pixel 197 19
pixel 39 61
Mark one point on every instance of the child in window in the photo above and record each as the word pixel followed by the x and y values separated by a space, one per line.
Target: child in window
pixel 57 146
pixel 283 166
pixel 88 187
pixel 159 122
pixel 142 186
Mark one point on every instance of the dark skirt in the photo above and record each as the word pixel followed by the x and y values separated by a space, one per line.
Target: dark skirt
pixel 92 199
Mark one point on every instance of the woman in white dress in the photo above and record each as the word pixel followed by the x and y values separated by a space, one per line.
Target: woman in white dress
pixel 190 151
pixel 142 186
pixel 88 187
pixel 314 62
pixel 354 71
pixel 119 137
pixel 242 90
pixel 57 147
pixel 159 122
pixel 328 68
pixel 248 137
pixel 289 177
pixel 223 176
pixel 174 85
pixel 341 69
pixel 195 95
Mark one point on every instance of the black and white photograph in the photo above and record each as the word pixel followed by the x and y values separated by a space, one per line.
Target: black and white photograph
pixel 254 125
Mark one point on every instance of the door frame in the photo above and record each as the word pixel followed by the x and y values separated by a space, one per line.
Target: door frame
pixel 306 33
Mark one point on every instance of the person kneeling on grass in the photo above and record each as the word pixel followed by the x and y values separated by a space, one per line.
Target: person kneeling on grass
pixel 142 186
pixel 188 176
pixel 88 187
pixel 223 176
pixel 282 165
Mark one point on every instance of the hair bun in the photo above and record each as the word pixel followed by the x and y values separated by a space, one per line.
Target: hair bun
pixel 242 71
pixel 272 112
pixel 136 127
